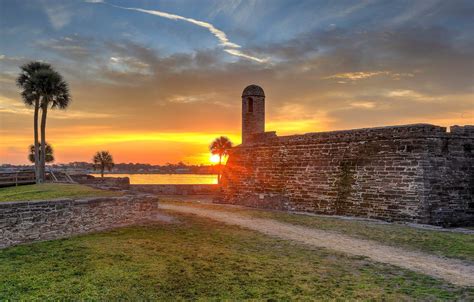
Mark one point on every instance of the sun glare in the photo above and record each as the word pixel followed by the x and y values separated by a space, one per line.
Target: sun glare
pixel 214 159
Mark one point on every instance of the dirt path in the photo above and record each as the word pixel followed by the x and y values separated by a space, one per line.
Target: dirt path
pixel 451 270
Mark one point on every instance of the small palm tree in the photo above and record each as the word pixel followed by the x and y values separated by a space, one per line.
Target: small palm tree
pixel 54 92
pixel 49 153
pixel 103 160
pixel 31 97
pixel 220 146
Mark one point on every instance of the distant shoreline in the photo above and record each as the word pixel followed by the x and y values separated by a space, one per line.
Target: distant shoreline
pixel 151 173
pixel 163 179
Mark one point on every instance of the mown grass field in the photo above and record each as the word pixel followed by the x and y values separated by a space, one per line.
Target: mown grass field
pixel 50 191
pixel 198 259
pixel 441 243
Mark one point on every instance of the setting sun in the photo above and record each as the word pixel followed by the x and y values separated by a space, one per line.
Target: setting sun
pixel 214 159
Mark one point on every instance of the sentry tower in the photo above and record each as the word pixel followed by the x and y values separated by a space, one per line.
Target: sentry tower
pixel 253 112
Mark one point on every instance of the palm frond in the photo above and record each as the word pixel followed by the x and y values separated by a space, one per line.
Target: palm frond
pixel 27 81
pixel 221 146
pixel 48 150
pixel 103 159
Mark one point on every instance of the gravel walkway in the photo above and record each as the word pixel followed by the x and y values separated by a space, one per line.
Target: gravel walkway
pixel 451 270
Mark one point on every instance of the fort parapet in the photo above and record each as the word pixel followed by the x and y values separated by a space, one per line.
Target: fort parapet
pixel 416 173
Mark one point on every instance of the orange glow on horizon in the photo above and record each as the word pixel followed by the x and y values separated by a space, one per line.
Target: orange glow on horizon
pixel 79 143
pixel 137 147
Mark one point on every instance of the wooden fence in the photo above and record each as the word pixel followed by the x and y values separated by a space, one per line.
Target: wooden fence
pixel 28 177
pixel 17 178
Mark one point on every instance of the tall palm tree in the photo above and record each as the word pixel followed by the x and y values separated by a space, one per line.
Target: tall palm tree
pixel 221 147
pixel 103 160
pixel 54 92
pixel 49 153
pixel 31 97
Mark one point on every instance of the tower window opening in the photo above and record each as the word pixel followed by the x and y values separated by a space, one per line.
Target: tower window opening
pixel 250 107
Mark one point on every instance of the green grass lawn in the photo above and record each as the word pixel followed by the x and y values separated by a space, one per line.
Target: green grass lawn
pixel 447 244
pixel 198 259
pixel 50 191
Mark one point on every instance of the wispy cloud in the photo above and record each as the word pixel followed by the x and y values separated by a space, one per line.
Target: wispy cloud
pixel 238 53
pixel 229 47
pixel 58 15
pixel 187 99
pixel 11 106
pixel 357 75
pixel 412 95
pixel 65 45
pixel 129 64
pixel 361 75
pixel 363 104
pixel 419 8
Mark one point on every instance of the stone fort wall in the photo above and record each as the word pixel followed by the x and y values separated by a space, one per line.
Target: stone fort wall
pixel 28 221
pixel 416 173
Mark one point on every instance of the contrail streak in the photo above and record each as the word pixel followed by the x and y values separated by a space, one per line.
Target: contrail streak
pixel 229 47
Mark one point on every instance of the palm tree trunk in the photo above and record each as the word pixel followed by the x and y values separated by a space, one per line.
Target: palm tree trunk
pixel 43 143
pixel 102 171
pixel 36 143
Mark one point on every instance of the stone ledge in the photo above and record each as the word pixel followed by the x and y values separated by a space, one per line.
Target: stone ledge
pixel 412 131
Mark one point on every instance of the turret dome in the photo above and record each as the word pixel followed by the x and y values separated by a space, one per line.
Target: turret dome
pixel 253 90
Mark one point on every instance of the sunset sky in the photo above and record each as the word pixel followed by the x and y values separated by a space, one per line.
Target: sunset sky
pixel 156 81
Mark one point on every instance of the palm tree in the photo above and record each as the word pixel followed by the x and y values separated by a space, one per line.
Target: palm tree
pixel 31 97
pixel 103 160
pixel 54 92
pixel 221 147
pixel 49 153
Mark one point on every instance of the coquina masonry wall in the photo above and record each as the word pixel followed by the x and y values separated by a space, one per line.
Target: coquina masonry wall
pixel 22 222
pixel 415 173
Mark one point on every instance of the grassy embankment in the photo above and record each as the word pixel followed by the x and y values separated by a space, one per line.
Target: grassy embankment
pixel 441 243
pixel 195 258
pixel 50 191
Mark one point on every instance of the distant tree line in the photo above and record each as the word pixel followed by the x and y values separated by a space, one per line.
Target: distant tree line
pixel 168 168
